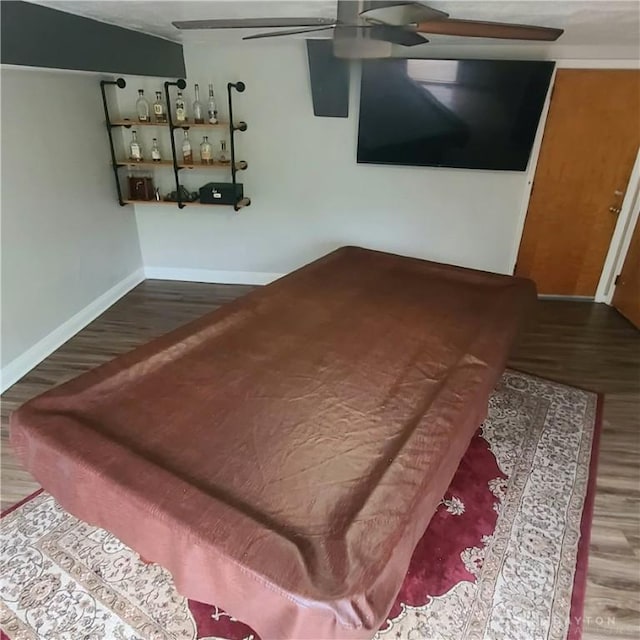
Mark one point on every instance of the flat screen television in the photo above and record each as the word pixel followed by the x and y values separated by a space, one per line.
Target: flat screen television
pixel 468 114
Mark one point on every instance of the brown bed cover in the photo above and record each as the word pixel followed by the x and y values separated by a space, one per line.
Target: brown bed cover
pixel 283 455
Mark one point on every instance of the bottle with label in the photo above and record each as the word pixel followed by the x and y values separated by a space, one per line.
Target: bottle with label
pixel 159 112
pixel 212 108
pixel 224 156
pixel 142 107
pixel 181 109
pixel 198 111
pixel 155 152
pixel 206 151
pixel 187 151
pixel 135 150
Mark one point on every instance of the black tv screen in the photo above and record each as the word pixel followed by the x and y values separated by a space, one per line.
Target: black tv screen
pixel 471 114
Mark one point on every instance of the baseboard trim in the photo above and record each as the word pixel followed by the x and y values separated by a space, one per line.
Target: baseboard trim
pixel 33 356
pixel 553 296
pixel 211 276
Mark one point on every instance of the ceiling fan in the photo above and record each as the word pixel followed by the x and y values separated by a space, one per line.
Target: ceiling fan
pixel 369 28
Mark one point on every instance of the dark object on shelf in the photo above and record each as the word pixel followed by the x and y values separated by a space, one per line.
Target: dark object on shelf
pixel 221 193
pixel 182 195
pixel 141 188
pixel 329 80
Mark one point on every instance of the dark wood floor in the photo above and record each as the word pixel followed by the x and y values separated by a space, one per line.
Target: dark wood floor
pixel 582 344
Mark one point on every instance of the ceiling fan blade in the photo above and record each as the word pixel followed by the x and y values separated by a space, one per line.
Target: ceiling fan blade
pixel 397 35
pixel 401 13
pixel 478 29
pixel 252 23
pixel 287 32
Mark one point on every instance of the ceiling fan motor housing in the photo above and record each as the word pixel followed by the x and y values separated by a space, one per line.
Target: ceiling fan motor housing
pixel 354 41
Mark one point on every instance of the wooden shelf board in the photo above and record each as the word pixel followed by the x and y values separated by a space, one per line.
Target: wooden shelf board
pixel 156 203
pixel 168 163
pixel 206 125
pixel 162 163
pixel 175 204
pixel 215 165
pixel 135 123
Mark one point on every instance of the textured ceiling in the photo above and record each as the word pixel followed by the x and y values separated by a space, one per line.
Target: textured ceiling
pixel 600 27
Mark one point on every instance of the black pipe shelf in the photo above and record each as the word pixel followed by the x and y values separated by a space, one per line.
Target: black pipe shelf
pixel 234 166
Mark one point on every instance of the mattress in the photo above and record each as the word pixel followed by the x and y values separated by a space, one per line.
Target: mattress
pixel 283 455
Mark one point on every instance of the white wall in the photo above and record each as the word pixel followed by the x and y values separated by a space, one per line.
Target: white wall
pixel 309 195
pixel 68 248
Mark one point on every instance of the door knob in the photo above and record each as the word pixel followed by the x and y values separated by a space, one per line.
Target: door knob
pixel 615 210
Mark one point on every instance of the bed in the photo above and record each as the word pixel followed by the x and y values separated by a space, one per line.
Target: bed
pixel 282 455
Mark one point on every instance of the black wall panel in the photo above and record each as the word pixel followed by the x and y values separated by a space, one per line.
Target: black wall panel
pixel 37 36
pixel 329 80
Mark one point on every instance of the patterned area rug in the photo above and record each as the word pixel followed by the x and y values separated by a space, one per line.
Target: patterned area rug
pixel 504 556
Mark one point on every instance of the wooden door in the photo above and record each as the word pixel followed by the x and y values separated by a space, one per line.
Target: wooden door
pixel 626 297
pixel 588 149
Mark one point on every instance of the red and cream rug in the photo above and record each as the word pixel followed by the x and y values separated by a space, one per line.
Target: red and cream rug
pixel 504 556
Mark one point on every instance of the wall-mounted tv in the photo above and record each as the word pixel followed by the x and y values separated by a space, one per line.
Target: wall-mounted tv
pixel 470 114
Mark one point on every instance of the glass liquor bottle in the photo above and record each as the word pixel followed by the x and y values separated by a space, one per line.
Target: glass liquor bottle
pixel 155 152
pixel 187 151
pixel 206 151
pixel 159 111
pixel 142 107
pixel 212 108
pixel 198 112
pixel 135 150
pixel 224 156
pixel 181 108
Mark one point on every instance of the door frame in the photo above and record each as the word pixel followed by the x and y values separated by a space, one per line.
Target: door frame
pixel 621 237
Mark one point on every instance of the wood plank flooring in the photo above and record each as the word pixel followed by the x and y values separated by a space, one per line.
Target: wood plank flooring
pixel 594 347
pixel 582 344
